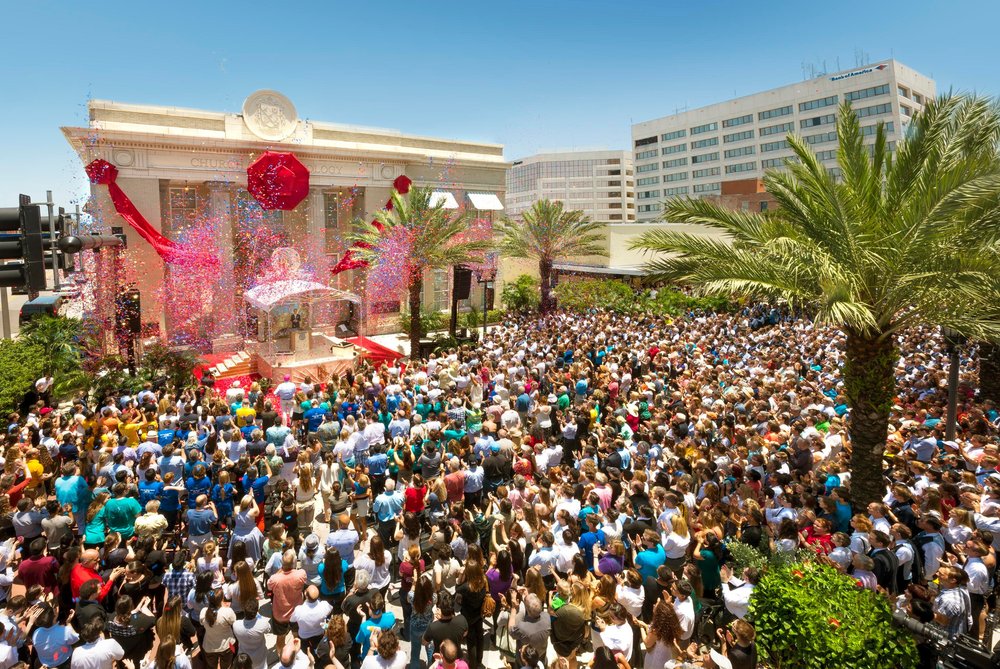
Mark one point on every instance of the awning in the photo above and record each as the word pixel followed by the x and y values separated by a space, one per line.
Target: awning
pixel 598 269
pixel 266 296
pixel 485 202
pixel 440 196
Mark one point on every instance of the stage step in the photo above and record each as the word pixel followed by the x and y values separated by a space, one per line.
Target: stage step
pixel 239 364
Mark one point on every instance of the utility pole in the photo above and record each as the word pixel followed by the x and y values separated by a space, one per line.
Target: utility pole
pixel 52 240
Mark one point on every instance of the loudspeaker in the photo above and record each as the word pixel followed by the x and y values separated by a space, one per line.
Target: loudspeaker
pixel 463 283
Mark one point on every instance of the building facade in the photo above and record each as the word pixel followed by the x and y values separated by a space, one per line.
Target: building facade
pixel 183 166
pixel 599 183
pixel 692 153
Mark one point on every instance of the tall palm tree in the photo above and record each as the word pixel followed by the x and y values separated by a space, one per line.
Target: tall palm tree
pixel 900 239
pixel 547 233
pixel 435 238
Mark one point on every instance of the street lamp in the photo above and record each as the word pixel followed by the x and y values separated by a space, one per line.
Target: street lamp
pixel 953 340
pixel 485 276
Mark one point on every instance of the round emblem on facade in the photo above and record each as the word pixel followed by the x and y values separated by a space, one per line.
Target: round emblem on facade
pixel 269 115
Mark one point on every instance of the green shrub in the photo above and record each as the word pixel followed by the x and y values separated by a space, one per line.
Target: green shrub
pixel 810 616
pixel 522 294
pixel 618 296
pixel 430 321
pixel 21 364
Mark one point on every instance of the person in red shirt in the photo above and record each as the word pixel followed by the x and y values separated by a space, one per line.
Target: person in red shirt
pixel 38 568
pixel 415 495
pixel 818 537
pixel 86 570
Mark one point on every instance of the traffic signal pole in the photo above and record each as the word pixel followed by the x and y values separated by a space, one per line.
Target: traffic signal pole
pixel 52 239
pixel 5 309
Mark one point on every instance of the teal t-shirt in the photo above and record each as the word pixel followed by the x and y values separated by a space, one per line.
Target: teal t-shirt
pixel 96 528
pixel 120 514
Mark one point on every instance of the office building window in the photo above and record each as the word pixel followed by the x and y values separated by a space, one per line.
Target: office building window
pixel 774 113
pixel 647 194
pixel 676 162
pixel 642 155
pixel 903 91
pixel 817 120
pixel 817 104
pixel 763 206
pixel 869 130
pixel 918 98
pixel 666 137
pixel 836 172
pixel 642 208
pixel 645 141
pixel 739 120
pixel 708 188
pixel 780 129
pixel 827 155
pixel 702 143
pixel 906 110
pixel 675 148
pixel 676 190
pixel 771 163
pixel 649 167
pixel 705 157
pixel 676 176
pixel 774 146
pixel 738 136
pixel 707 127
pixel 647 181
pixel 821 137
pixel 707 172
pixel 741 151
pixel 867 93
pixel 741 167
pixel 885 108
pixel 441 292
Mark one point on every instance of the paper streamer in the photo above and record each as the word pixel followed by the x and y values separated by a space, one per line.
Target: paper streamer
pixel 401 185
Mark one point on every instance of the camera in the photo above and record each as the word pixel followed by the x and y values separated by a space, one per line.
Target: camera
pixel 962 652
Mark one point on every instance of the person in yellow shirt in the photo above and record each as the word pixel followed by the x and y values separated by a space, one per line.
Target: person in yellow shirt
pixel 132 429
pixel 38 475
pixel 245 415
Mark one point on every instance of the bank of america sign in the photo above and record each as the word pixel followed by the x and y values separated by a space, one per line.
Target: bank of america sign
pixel 855 73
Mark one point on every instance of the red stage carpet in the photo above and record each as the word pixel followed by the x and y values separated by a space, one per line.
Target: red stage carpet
pixel 375 352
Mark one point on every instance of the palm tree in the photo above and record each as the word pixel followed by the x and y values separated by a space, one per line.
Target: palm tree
pixel 435 238
pixel 548 233
pixel 60 340
pixel 900 239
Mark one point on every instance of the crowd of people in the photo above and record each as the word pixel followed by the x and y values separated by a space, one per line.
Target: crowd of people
pixel 564 492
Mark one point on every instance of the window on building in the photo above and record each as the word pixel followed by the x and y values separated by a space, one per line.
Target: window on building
pixel 676 148
pixel 676 162
pixel 902 90
pixel 705 157
pixel 817 104
pixel 821 137
pixel 738 136
pixel 774 113
pixel 740 151
pixel 441 291
pixel 643 208
pixel 763 206
pixel 918 98
pixel 676 190
pixel 666 137
pixel 884 108
pixel 774 146
pixel 741 167
pixel 647 181
pixel 676 176
pixel 647 194
pixel 870 130
pixel 739 120
pixel 906 110
pixel 817 120
pixel 707 172
pixel 867 93
pixel 702 143
pixel 827 155
pixel 642 155
pixel 707 127
pixel 645 141
pixel 780 129
pixel 708 188
pixel 648 167
pixel 771 163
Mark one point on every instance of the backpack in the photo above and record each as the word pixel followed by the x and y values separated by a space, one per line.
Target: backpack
pixel 917 572
pixel 890 563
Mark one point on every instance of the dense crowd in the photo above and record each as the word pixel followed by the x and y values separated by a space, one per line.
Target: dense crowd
pixel 566 491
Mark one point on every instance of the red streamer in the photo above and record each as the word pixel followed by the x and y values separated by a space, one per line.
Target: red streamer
pixel 102 172
pixel 401 185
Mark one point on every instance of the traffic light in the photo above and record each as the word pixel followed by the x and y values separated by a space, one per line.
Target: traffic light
pixel 21 241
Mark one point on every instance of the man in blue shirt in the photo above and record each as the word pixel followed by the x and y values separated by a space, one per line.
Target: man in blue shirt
pixel 314 417
pixel 150 488
pixel 386 507
pixel 651 556
pixel 590 538
pixel 201 519
pixel 72 489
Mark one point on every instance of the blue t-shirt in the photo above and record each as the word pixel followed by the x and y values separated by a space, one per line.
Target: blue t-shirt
pixel 646 561
pixel 149 490
pixel 385 622
pixel 314 418
pixel 170 500
pixel 224 503
pixel 200 522
pixel 323 589
pixel 196 487
pixel 73 490
pixel 257 487
pixel 587 542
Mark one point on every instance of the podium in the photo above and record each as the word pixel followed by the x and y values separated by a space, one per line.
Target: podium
pixel 301 341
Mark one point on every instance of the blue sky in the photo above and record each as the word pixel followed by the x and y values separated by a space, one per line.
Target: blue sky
pixel 529 74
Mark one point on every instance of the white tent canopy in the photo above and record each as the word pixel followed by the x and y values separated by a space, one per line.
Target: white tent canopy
pixel 266 296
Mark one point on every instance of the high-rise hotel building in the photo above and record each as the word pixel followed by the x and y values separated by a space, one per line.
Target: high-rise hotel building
pixel 693 152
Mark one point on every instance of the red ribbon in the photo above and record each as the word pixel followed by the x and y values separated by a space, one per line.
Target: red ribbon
pixel 349 261
pixel 102 172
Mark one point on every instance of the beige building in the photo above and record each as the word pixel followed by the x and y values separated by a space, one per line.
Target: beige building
pixel 598 183
pixel 180 165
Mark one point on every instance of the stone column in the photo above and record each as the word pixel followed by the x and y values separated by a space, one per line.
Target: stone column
pixel 315 241
pixel 220 207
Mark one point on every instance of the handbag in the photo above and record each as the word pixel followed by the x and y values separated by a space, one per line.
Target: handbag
pixel 504 643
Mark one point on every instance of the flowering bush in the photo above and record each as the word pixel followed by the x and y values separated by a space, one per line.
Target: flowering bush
pixel 619 297
pixel 809 616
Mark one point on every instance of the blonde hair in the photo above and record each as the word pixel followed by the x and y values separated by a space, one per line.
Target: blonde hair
pixel 679 526
pixel 306 477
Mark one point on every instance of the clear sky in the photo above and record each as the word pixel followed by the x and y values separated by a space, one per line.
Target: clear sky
pixel 530 74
